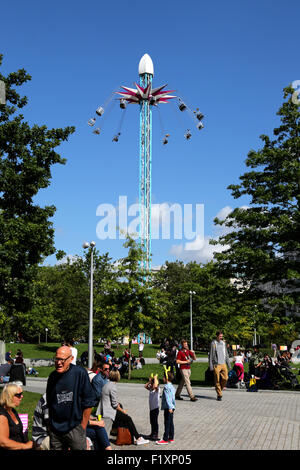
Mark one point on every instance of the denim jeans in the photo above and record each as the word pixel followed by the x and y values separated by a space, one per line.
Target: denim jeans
pixel 98 436
pixel 169 425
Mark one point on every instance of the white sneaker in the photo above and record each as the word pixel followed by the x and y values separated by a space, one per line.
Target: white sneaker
pixel 141 441
pixel 89 443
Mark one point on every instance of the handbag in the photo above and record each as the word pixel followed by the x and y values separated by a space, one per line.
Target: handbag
pixel 123 436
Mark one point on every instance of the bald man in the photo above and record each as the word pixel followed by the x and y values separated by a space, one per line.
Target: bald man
pixel 70 399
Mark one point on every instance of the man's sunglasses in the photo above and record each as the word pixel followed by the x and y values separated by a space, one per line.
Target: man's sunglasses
pixel 19 395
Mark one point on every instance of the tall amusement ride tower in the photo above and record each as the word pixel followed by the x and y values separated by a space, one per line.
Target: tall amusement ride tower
pixel 146 97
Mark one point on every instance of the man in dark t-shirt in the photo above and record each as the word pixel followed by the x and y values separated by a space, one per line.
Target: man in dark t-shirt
pixel 70 400
pixel 185 357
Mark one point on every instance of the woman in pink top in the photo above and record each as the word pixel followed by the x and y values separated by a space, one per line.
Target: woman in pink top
pixel 239 365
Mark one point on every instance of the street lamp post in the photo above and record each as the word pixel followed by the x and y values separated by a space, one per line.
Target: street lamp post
pixel 46 329
pixel 90 346
pixel 254 338
pixel 2 93
pixel 191 316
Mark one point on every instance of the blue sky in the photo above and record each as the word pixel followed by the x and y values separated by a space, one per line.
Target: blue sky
pixel 230 59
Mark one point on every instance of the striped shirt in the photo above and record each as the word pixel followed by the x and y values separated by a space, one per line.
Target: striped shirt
pixel 40 421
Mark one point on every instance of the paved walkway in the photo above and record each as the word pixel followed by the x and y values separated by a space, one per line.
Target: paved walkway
pixel 266 420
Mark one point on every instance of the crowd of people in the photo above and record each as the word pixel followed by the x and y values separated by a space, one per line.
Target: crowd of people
pixel 116 364
pixel 269 372
pixel 121 364
pixel 80 409
pixel 63 416
pixel 265 371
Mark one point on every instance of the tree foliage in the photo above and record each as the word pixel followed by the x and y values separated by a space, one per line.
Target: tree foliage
pixel 216 304
pixel 27 154
pixel 132 303
pixel 263 250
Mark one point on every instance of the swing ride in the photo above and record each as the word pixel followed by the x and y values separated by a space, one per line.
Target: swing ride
pixel 147 98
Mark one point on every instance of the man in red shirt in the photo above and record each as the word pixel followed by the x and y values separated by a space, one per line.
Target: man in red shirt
pixel 184 358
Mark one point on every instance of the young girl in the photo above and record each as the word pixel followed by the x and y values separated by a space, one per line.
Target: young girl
pixel 239 365
pixel 153 386
pixel 168 405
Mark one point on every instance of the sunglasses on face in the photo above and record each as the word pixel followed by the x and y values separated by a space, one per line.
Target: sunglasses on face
pixel 19 395
pixel 106 368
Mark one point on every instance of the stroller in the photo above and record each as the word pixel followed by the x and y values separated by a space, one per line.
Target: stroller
pixel 287 375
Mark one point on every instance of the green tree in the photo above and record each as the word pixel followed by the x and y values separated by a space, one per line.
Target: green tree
pixel 59 302
pixel 263 250
pixel 27 154
pixel 216 303
pixel 61 299
pixel 172 280
pixel 103 276
pixel 132 303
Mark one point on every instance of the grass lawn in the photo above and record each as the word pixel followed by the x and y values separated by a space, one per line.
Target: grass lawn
pixel 142 375
pixel 44 351
pixel 47 350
